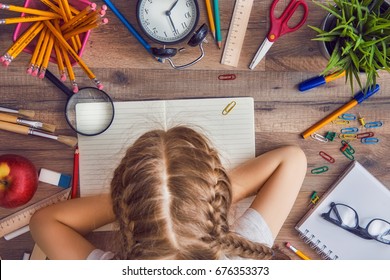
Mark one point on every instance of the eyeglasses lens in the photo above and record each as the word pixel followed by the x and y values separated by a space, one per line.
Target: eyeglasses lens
pixel 380 230
pixel 345 215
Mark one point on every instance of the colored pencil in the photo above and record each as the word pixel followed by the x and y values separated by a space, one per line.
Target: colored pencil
pixel 211 17
pixel 30 11
pixel 75 179
pixel 217 24
pixel 24 19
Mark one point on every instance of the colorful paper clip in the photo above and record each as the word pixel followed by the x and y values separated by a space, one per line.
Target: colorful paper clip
pixel 326 157
pixel 340 121
pixel 227 77
pixel 229 108
pixel 373 124
pixel 319 170
pixel 364 135
pixel 348 117
pixel 330 135
pixel 349 130
pixel 347 136
pixel 369 140
pixel 347 150
pixel 319 137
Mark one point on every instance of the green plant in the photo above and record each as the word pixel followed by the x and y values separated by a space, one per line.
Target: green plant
pixel 360 36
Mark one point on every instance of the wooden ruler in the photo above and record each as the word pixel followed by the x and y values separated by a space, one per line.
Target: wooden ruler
pixel 22 218
pixel 237 30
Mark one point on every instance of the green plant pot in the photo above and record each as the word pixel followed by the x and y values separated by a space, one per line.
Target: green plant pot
pixel 328 23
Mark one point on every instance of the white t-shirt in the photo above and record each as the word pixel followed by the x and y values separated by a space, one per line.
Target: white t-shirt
pixel 251 225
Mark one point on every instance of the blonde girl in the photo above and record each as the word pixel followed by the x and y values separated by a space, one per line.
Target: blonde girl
pixel 170 197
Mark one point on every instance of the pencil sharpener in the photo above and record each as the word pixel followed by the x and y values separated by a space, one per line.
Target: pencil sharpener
pixel 37 4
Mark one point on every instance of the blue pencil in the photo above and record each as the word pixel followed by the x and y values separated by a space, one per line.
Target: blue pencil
pixel 217 24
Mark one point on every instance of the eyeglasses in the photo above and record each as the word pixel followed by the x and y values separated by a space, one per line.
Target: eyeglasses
pixel 347 218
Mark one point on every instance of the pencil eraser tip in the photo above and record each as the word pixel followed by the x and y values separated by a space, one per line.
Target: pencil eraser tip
pixel 105 21
pixel 102 13
pixel 93 6
pixel 288 244
pixel 2 59
pixel 75 89
pixel 1 6
pixel 41 75
pixel 63 77
pixel 100 86
pixel 6 63
pixel 104 7
pixel 29 71
pixel 35 73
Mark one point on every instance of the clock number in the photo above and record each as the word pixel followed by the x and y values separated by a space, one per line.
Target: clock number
pixel 188 3
pixel 150 1
pixel 146 11
pixel 187 15
pixel 155 31
pixel 184 25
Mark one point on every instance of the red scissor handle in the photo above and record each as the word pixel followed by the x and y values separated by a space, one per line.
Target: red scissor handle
pixel 279 25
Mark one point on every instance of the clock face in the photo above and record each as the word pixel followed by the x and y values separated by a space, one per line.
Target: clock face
pixel 168 21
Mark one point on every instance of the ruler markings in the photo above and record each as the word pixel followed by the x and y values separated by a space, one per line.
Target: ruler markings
pixel 236 34
pixel 22 217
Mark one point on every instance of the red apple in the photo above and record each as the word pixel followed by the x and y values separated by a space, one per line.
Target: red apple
pixel 18 180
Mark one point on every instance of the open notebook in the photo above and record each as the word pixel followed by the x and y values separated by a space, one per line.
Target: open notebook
pixel 232 134
pixel 370 198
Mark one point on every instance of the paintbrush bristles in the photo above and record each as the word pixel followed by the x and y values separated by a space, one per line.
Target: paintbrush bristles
pixel 48 127
pixel 27 113
pixel 67 140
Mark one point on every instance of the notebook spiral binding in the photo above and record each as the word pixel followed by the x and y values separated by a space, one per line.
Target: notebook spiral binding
pixel 319 248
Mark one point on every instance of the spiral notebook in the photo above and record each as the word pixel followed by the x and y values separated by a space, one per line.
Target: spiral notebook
pixel 359 189
pixel 233 134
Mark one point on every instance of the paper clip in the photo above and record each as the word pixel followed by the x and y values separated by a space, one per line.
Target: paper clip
pixel 347 136
pixel 229 107
pixel 326 157
pixel 348 148
pixel 369 140
pixel 364 135
pixel 340 121
pixel 227 77
pixel 373 124
pixel 314 197
pixel 319 170
pixel 349 130
pixel 319 137
pixel 348 117
pixel 330 135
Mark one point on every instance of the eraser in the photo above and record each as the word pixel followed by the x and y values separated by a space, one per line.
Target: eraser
pixel 54 178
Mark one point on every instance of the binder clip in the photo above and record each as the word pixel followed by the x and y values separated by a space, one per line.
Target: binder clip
pixel 330 135
pixel 314 198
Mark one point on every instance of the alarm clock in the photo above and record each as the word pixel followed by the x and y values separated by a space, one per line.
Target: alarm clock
pixel 167 22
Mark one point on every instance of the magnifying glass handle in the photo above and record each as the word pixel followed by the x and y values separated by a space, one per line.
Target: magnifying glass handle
pixel 58 83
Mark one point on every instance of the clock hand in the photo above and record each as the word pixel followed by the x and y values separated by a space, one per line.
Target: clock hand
pixel 173 6
pixel 173 25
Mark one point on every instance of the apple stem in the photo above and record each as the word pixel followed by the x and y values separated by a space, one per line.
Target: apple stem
pixel 3 182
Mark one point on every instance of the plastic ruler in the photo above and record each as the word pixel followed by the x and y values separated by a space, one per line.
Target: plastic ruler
pixel 22 218
pixel 236 34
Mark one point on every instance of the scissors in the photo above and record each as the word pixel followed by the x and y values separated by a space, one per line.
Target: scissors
pixel 279 27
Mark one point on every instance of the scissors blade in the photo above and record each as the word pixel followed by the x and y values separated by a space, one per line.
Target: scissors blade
pixel 263 49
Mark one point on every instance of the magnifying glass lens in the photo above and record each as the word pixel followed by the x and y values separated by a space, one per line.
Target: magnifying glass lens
pixel 90 111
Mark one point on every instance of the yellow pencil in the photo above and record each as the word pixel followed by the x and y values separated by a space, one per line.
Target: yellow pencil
pixel 69 68
pixel 79 17
pixel 53 7
pixel 211 17
pixel 24 19
pixel 64 6
pixel 29 11
pixel 72 9
pixel 297 252
pixel 41 53
pixel 20 47
pixel 46 57
pixel 84 29
pixel 60 62
pixel 73 53
pixel 34 56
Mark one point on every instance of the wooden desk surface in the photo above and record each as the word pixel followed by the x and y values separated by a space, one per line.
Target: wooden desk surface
pixel 128 73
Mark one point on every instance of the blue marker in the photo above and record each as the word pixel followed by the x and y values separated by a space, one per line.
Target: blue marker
pixel 318 81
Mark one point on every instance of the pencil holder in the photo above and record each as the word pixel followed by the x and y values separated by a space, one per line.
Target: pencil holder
pixel 37 4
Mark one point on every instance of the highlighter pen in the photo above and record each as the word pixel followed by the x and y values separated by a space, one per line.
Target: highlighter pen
pixel 319 80
pixel 357 99
pixel 296 251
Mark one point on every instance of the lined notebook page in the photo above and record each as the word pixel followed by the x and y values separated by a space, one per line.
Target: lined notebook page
pixel 233 134
pixel 369 197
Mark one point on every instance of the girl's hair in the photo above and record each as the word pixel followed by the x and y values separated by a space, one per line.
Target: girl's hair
pixel 171 197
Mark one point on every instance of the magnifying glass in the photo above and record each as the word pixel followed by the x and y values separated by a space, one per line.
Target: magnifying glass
pixel 88 112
